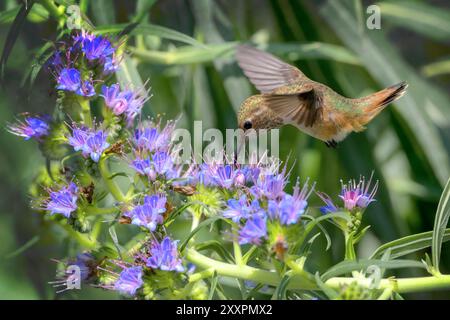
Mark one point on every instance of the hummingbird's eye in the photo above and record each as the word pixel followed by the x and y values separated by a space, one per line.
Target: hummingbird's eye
pixel 247 125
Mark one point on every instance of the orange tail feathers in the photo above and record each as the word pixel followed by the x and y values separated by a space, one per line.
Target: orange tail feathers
pixel 376 102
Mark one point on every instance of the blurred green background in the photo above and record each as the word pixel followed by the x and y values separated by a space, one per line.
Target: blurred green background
pixel 407 145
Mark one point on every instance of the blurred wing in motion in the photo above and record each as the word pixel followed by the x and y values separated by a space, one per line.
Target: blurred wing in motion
pixel 264 70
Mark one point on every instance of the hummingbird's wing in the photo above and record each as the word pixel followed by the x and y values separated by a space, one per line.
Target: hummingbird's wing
pixel 305 107
pixel 265 71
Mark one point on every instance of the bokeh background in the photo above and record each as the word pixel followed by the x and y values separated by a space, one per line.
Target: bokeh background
pixel 407 146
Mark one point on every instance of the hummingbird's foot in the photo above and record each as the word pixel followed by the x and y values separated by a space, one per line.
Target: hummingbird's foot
pixel 331 144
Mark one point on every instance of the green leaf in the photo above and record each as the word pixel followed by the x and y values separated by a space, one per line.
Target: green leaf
pixel 24 247
pixel 217 247
pixel 113 234
pixel 214 281
pixel 142 9
pixel 203 224
pixel 280 292
pixel 432 22
pixel 8 16
pixel 408 244
pixel 349 266
pixel 436 68
pixel 440 222
pixel 13 33
pixel 151 30
pixel 330 293
pixel 314 50
pixel 184 55
pixel 103 11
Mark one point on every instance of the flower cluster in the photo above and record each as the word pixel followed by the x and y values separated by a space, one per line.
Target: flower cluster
pixel 253 200
pixel 62 201
pixel 355 196
pixel 31 127
pixel 91 143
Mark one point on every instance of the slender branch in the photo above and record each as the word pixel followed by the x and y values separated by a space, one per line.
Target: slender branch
pixel 306 281
pixel 110 184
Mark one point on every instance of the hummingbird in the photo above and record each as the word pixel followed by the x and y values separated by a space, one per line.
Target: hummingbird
pixel 289 97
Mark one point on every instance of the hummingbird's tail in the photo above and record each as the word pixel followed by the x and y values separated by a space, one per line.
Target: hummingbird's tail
pixel 376 102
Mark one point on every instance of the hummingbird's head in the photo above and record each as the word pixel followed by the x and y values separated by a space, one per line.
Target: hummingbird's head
pixel 254 114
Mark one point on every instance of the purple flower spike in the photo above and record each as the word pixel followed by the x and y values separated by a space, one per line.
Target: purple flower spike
pixel 31 127
pixel 69 79
pixel 164 256
pixel 149 215
pixel 130 280
pixel 63 201
pixel 253 231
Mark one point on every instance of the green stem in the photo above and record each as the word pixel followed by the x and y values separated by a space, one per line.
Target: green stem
pixel 86 111
pixel 306 282
pixel 94 210
pixel 81 238
pixel 245 272
pixel 349 246
pixel 201 275
pixel 56 12
pixel 404 285
pixel 110 184
pixel 237 250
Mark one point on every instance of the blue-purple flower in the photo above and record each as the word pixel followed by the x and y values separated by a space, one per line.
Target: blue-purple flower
pixel 69 79
pixel 358 194
pixel 128 102
pixel 290 208
pixel 84 261
pixel 329 206
pixel 241 209
pixel 270 186
pixel 143 167
pixel 162 162
pixel 129 281
pixel 90 143
pixel 149 214
pixel 31 127
pixel 164 256
pixel 63 201
pixel 254 230
pixel 153 138
pixel 96 144
pixel 96 47
pixel 354 196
